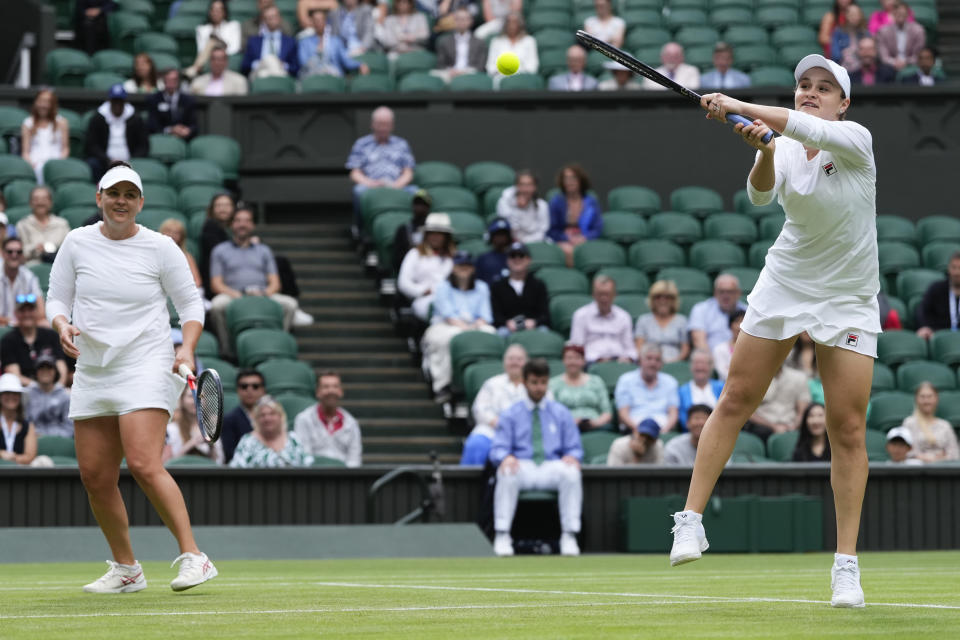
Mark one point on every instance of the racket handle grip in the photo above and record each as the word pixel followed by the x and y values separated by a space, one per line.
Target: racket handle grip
pixel 733 118
pixel 185 371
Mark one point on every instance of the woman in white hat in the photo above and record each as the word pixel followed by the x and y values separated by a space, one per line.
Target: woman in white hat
pixel 821 276
pixel 107 300
pixel 18 438
pixel 428 264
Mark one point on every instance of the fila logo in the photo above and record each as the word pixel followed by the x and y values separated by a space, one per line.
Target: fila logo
pixel 829 168
pixel 853 339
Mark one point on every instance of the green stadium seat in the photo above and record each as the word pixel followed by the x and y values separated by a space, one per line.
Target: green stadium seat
pixel 735 227
pixel 912 283
pixel 594 255
pixel 633 303
pixel 771 76
pixel 162 60
pixel 68 67
pixel 3 147
pixel 883 378
pixel 259 345
pixel 476 374
pixel 377 61
pixel 636 199
pixel 288 376
pixel 223 151
pixel 926 15
pixel 490 200
pixel 545 254
pixel 76 216
pixel 876 446
pixel 11 118
pixel 700 56
pixel 644 18
pixel 17 193
pixel 371 83
pixel 523 82
pixel 628 280
pixel 323 84
pixel 939 229
pixel 793 34
pixel 639 35
pixel 471 82
pixel 101 81
pixel 623 227
pixel 151 170
pixel 741 202
pixel 383 230
pixel 772 17
pixel 125 26
pixel 730 16
pixel 596 445
pixel 681 228
pixel 379 200
pixel 896 304
pixel 749 445
pixel 167 148
pixel 699 201
pixel 652 255
pixel 812 14
pixel 749 57
pixel 56 446
pixel 295 403
pixel 15 168
pixel 936 255
pixel 183 29
pixel 560 280
pixel 153 218
pixel 896 347
pixel 274 84
pixel 436 173
pixel 770 226
pixel 70 194
pixel 896 229
pixel 472 346
pixel 480 176
pixel 467 226
pixel 911 374
pixel 153 42
pixel 195 171
pixel 610 372
pixel 160 195
pixel 714 256
pixel 190 460
pixel 680 370
pixel 557 39
pixel 450 198
pixel 888 409
pixel 896 256
pixel 656 5
pixel 541 20
pixel 421 81
pixel 680 18
pixel 689 281
pixel 230 399
pixel 197 197
pixel 553 62
pixel 253 312
pixel 539 344
pixel 747 276
pixel 790 55
pixel 562 308
pixel 945 347
pixel 113 60
pixel 414 62
pixel 745 34
pixel 949 407
pixel 16 214
pixel 780 446
pixel 228 375
pixel 697 36
pixel 208 346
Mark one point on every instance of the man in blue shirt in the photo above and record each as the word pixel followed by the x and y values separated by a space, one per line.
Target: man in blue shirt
pixel 710 320
pixel 537 446
pixel 647 393
pixel 324 53
pixel 723 75
pixel 272 52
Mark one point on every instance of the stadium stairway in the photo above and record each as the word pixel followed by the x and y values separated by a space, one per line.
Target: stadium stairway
pixel 352 334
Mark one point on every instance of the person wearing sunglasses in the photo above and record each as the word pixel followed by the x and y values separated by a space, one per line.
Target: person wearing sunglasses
pixel 21 348
pixel 239 421
pixel 17 280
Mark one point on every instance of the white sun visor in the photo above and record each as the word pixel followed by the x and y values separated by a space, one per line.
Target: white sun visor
pixel 120 174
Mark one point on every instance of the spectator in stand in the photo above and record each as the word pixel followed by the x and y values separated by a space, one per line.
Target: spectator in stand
pixel 114 133
pixel 812 442
pixel 145 79
pixel 575 79
pixel 214 231
pixel 835 17
pixel 723 76
pixel 353 22
pixel 492 265
pixel 604 25
pixel 497 394
pixel 410 234
pixel 522 206
pixel 933 438
pixel 682 449
pixel 379 159
pixel 900 446
pixel 622 80
pixel 175 230
pixel 256 25
pixel 171 111
pixel 642 446
pixel 239 420
pixel 221 81
pixel 574 212
pixel 326 429
pixel 184 437
pixel 889 317
pixel 48 401
pixel 786 399
pixel 710 319
pixel 460 52
pixel 843 44
pixel 701 389
pixel 42 232
pixel 494 14
pixel 21 348
pixel 647 393
pixel 270 445
pixel 900 42
pixel 272 52
pixel 461 303
pixel 673 66
pixel 803 356
pixel 603 328
pixel 325 54
pixel 218 31
pixel 925 74
pixel 885 15
pixel 514 38
pixel 585 395
pixel 428 264
pixel 519 300
pixel 17 281
pixel 18 437
pixel 870 71
pixel 940 308
pixel 44 134
pixel 537 446
pixel 91 33
pixel 723 351
pixel 663 325
pixel 404 30
pixel 305 8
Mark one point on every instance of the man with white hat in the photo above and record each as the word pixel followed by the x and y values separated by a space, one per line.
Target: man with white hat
pixel 899 445
pixel 428 264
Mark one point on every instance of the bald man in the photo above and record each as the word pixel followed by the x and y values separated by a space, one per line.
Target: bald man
pixel 710 320
pixel 574 79
pixel 673 66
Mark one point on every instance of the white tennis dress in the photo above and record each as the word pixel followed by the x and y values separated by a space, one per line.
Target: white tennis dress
pixel 821 275
pixel 115 293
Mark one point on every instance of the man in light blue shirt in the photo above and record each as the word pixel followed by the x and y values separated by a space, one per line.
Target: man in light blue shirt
pixel 723 75
pixel 710 320
pixel 324 53
pixel 647 393
pixel 537 446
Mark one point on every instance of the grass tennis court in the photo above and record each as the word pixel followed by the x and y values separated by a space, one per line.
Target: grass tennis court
pixel 909 595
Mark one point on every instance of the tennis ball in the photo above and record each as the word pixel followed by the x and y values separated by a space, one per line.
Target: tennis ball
pixel 508 63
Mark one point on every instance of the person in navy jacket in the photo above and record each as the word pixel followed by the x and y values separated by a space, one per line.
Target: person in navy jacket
pixel 271 42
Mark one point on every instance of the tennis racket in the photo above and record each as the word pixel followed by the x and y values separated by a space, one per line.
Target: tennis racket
pixel 208 398
pixel 627 60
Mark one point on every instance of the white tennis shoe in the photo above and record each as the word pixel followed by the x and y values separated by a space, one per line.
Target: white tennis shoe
pixel 568 545
pixel 503 544
pixel 195 568
pixel 119 578
pixel 689 538
pixel 845 582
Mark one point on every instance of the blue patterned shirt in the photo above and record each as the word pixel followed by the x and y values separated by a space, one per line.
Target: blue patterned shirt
pixel 381 161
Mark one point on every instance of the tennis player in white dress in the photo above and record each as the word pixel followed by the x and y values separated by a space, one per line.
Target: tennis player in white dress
pixel 107 301
pixel 821 276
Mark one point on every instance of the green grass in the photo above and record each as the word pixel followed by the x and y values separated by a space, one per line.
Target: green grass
pixel 605 596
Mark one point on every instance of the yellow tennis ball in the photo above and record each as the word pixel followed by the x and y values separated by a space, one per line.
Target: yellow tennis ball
pixel 508 63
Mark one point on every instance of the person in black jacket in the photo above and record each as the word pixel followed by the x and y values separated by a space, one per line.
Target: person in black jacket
pixel 519 301
pixel 410 234
pixel 940 308
pixel 171 111
pixel 90 24
pixel 112 117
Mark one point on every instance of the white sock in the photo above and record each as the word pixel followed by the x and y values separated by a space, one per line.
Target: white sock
pixel 842 558
pixel 692 515
pixel 129 567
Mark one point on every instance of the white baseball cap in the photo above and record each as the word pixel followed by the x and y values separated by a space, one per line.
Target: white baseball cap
pixel 817 60
pixel 900 432
pixel 10 382
pixel 120 174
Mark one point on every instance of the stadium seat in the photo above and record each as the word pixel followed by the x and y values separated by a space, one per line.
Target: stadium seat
pixel 896 256
pixel 101 81
pixel 258 345
pixel 228 375
pixel 17 193
pixel 471 346
pixel 637 199
pixel 699 201
pixel 680 370
pixel 896 304
pixel 16 214
pixel 714 256
pixel 912 283
pixel 911 374
pixel 450 199
pixel 153 218
pixel 379 200
pixel 610 372
pixel 288 376
pixel 938 228
pixel 182 28
pixel 167 148
pixel 377 61
pixel 560 280
pixel 68 67
pixel 480 176
pixel 223 151
pixel 653 255
pixel 780 446
pixel 371 83
pixel 153 42
pixel 197 197
pixel 554 39
pixel 414 62
pixel 160 195
pixel 926 15
pixel 689 281
pixel 633 303
pixel 747 276
pixel 596 445
pixel 896 229
pixel 883 378
pixel 15 168
pixel 945 347
pixel 750 446
pixel 539 344
pixel 730 16
pixel 936 255
pixel 475 374
pixel 323 84
pixel 207 346
pixel 562 308
pixel 770 226
pixel 741 202
pixel 749 57
pixel 700 56
pixel 437 173
pixel 646 35
pixel 735 227
pixel 771 76
pixel 56 446
pixel 895 347
pixel 164 60
pixel 790 55
pixel 125 26
pixel 949 407
pixel 467 226
pixel 594 255
pixel 151 170
pixel 76 216
pixel 628 280
pixel 876 446
pixel 793 34
pixel 547 19
pixel 195 171
pixel 273 84
pixel 545 254
pixel 421 81
pixel 190 460
pixel 471 82
pixel 681 228
pixel 624 227
pixel 888 409
pixel 383 231
pixel 253 312
pixel 113 60
pixel 553 62
pixel 523 82
pixel 745 34
pixel 293 404
pixel 680 18
pixel 70 194
pixel 772 17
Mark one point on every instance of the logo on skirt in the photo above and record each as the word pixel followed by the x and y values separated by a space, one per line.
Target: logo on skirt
pixel 853 339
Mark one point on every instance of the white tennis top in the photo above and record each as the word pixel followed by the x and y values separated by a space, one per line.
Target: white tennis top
pixel 116 290
pixel 828 246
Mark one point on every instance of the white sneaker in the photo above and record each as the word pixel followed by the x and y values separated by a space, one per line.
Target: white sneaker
pixel 194 569
pixel 845 582
pixel 302 319
pixel 568 545
pixel 503 544
pixel 689 538
pixel 120 578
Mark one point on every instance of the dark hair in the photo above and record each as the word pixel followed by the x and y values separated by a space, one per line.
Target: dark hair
pixel 217 197
pixel 327 373
pixel 151 75
pixel 578 171
pixel 536 367
pixel 836 7
pixel 954 256
pixel 802 452
pixel 736 314
pixel 10 239
pixel 226 10
pixel 699 408
pixel 118 163
pixel 932 49
pixel 471 282
pixel 536 182
pixel 3 201
pixel 313 11
pixel 244 208
pixel 246 373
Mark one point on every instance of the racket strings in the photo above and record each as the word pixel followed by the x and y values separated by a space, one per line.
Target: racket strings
pixel 209 398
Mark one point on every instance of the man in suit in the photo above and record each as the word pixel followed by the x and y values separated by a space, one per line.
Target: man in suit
pixel 723 75
pixel 237 422
pixel 460 52
pixel 255 25
pixel 272 53
pixel 925 74
pixel 171 111
pixel 673 66
pixel 537 446
pixel 519 301
pixel 872 71
pixel 574 79
pixel 324 53
pixel 221 81
pixel 900 41
pixel 940 308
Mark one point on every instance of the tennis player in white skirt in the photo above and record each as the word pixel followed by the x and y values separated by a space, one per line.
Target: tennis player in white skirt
pixel 821 276
pixel 107 301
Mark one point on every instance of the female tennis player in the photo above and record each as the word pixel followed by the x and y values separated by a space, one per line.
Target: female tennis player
pixel 107 300
pixel 821 276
